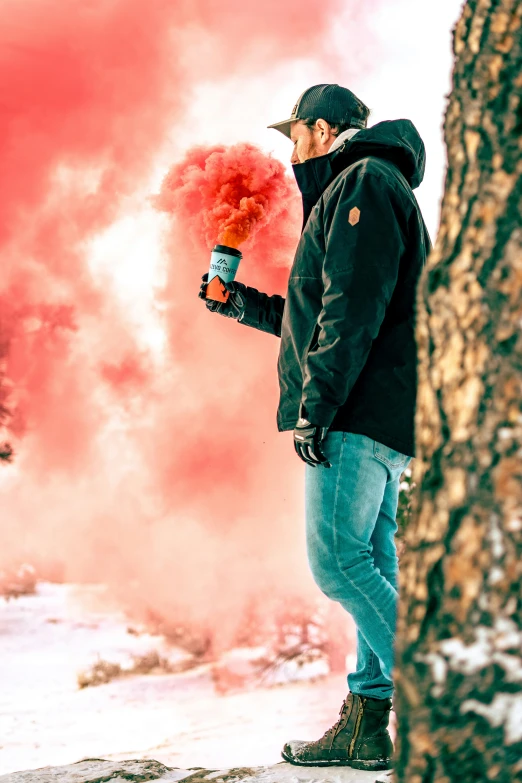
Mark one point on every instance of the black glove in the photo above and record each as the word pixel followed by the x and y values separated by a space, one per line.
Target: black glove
pixel 308 443
pixel 235 305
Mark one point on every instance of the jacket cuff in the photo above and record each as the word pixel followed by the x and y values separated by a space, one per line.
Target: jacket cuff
pixel 250 316
pixel 318 415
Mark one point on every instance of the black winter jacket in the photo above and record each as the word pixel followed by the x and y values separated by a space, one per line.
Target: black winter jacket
pixel 348 354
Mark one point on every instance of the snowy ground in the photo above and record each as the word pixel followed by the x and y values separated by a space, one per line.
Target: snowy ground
pixel 178 719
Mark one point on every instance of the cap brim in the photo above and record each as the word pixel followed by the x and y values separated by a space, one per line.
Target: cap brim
pixel 284 126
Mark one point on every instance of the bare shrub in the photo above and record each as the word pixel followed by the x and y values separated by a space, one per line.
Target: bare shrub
pixel 17 581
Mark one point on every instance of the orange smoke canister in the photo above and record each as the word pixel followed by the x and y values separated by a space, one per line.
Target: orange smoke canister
pixel 224 262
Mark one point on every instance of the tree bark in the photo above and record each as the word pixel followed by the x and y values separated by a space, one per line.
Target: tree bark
pixel 459 666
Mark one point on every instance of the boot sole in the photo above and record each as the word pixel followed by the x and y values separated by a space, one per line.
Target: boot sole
pixel 377 765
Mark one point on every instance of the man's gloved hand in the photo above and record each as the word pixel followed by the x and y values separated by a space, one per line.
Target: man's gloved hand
pixel 308 443
pixel 235 305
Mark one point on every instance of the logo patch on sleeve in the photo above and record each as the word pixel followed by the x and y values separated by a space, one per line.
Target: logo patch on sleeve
pixel 354 215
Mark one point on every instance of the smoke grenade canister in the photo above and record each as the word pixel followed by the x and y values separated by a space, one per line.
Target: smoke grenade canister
pixel 224 262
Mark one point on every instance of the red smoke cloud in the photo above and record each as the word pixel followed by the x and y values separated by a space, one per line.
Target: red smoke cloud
pixel 162 476
pixel 226 194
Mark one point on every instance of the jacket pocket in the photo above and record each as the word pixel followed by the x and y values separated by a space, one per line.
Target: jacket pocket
pixel 390 457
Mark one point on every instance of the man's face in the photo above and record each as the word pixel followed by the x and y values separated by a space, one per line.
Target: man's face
pixel 310 142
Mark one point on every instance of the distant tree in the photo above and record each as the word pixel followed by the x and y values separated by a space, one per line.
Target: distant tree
pixel 459 666
pixel 6 452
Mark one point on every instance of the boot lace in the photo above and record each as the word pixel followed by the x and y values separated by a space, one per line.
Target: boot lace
pixel 332 732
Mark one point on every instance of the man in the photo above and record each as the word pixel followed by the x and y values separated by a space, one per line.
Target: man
pixel 347 376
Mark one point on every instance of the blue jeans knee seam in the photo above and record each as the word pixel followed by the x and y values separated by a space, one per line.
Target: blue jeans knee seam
pixel 370 602
pixel 350 581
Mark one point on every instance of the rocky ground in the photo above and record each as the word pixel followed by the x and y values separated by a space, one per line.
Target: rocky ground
pixel 100 771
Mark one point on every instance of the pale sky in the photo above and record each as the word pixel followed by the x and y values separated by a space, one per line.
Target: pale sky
pixel 405 73
pixel 409 77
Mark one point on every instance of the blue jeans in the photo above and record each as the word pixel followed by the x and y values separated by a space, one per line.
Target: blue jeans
pixel 351 513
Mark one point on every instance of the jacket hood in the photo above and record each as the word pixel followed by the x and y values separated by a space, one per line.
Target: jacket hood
pixel 395 140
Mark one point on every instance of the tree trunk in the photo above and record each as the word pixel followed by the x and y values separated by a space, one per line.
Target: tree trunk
pixel 459 667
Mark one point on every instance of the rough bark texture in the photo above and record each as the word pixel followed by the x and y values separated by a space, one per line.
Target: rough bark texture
pixel 459 668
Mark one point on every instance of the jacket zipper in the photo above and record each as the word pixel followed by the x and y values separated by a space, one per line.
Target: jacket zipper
pixel 356 729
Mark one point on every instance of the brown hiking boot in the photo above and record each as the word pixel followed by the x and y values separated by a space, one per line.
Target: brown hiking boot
pixel 359 739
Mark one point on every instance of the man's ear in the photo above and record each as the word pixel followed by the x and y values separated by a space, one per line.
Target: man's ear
pixel 325 131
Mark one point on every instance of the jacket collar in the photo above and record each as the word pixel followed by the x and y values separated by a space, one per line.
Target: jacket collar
pixel 314 175
pixel 346 135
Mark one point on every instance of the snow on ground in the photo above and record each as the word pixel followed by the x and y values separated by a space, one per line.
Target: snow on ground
pixel 95 770
pixel 178 719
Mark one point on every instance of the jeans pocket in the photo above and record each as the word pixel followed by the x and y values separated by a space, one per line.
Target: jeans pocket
pixel 390 457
